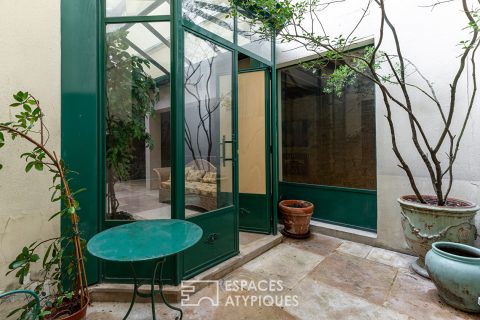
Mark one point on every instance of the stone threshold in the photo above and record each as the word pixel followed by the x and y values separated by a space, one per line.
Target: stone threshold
pixel 346 233
pixel 115 292
pixel 351 234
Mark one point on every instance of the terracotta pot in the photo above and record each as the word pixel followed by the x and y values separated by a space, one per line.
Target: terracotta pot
pixel 79 315
pixel 424 224
pixel 296 216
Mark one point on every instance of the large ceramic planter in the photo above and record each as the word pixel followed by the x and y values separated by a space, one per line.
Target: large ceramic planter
pixel 296 215
pixel 424 224
pixel 455 270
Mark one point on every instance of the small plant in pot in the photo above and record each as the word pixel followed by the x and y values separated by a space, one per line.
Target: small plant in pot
pixel 296 215
pixel 61 283
pixel 406 94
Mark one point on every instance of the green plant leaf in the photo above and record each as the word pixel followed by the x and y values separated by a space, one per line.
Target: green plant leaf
pixel 54 215
pixel 16 264
pixel 39 166
pixel 34 258
pixel 47 254
pixel 29 166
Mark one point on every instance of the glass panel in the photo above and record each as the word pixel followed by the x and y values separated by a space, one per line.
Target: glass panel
pixel 327 140
pixel 122 8
pixel 137 121
pixel 250 40
pixel 208 126
pixel 211 15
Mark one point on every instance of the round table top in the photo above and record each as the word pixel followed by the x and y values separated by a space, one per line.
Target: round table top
pixel 144 240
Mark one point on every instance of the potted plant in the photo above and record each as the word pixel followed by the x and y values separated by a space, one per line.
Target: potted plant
pixel 426 218
pixel 62 286
pixel 296 215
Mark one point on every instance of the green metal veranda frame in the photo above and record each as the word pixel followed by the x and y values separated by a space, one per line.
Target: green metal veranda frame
pixel 83 26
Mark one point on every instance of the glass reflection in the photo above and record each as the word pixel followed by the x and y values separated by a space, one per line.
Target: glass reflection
pixel 137 120
pixel 326 139
pixel 211 15
pixel 208 126
pixel 121 8
pixel 251 40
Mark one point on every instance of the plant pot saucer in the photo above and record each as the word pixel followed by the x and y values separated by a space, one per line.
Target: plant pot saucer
pixel 295 236
pixel 419 269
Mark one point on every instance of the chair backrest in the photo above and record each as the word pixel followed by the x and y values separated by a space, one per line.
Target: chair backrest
pixel 35 311
pixel 202 164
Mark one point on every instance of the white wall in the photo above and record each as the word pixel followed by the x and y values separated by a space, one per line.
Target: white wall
pixel 29 61
pixel 429 38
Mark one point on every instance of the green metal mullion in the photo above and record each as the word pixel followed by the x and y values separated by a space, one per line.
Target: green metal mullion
pixel 102 143
pixel 254 70
pixel 274 139
pixel 235 31
pixel 236 191
pixel 134 19
pixel 268 146
pixel 177 120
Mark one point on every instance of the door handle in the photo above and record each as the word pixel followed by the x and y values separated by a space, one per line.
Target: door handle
pixel 224 151
pixel 212 238
pixel 244 211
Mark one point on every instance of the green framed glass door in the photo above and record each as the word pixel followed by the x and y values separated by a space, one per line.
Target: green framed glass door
pixel 210 161
pixel 254 151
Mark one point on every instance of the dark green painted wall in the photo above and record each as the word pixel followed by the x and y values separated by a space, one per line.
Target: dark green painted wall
pixel 79 134
pixel 347 207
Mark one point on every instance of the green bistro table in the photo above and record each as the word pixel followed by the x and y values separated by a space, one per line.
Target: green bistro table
pixel 145 241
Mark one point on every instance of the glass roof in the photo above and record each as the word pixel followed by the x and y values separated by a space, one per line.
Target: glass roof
pixel 122 8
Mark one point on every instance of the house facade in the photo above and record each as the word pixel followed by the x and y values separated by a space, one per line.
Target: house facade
pixel 235 109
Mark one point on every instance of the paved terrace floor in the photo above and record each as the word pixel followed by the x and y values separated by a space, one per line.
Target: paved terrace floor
pixel 329 277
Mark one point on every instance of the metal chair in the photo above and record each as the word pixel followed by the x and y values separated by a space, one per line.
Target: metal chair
pixel 36 308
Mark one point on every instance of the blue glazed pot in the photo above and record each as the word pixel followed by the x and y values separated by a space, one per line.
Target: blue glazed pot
pixel 454 268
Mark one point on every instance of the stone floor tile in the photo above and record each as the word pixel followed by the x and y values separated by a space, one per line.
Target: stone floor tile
pixel 242 307
pixel 355 249
pixel 334 285
pixel 116 311
pixel 364 278
pixel 320 301
pixel 285 263
pixel 391 258
pixel 416 296
pixel 316 243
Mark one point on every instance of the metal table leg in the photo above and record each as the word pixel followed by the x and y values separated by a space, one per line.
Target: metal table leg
pixel 135 291
pixel 160 285
pixel 153 292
